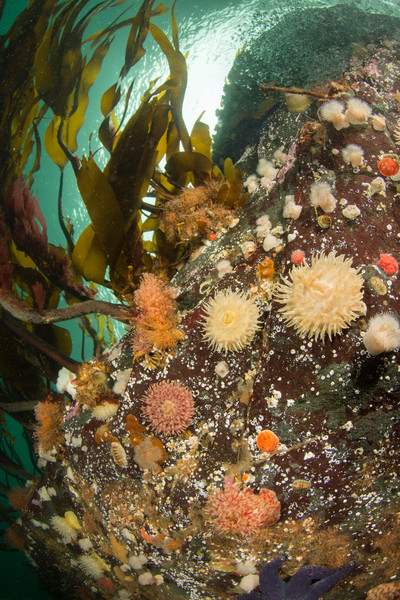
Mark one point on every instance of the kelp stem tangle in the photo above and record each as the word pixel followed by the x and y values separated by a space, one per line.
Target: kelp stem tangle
pixel 23 313
pixel 64 148
pixel 287 90
pixel 59 357
pixel 65 231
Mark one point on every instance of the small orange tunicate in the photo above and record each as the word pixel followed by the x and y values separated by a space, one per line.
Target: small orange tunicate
pixel 267 441
pixel 135 429
pixel 266 269
pixel 388 166
pixel 103 434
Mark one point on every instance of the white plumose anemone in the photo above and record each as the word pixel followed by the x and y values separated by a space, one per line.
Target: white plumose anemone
pixel 231 321
pixel 322 298
pixel 383 334
pixel 92 565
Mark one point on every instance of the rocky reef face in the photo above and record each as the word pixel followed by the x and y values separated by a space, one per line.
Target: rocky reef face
pixel 143 527
pixel 307 46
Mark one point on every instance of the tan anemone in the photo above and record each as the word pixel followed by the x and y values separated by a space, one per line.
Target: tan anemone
pixel 322 298
pixel 231 321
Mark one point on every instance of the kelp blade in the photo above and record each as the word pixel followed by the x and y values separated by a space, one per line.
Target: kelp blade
pixel 103 208
pixel 88 256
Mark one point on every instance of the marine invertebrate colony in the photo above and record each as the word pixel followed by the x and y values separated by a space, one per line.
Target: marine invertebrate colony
pixel 321 195
pixel 358 111
pixel 195 212
pixel 234 510
pixel 333 111
pixel 321 299
pixel 297 257
pixel 90 383
pixel 267 441
pixel 388 264
pixel 388 166
pixel 353 154
pixel 48 432
pixel 231 321
pixel 169 407
pixel 156 321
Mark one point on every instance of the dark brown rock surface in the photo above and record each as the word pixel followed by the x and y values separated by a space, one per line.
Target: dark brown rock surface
pixel 334 407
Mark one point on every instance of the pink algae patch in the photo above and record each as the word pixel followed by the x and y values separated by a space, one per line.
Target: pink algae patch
pixel 388 264
pixel 235 510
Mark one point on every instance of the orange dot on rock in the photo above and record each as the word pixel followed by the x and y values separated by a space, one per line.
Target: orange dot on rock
pixel 388 166
pixel 267 441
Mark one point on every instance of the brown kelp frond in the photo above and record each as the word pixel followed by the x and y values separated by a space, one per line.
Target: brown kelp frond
pixel 59 62
pixel 177 65
pixel 139 29
pixel 114 237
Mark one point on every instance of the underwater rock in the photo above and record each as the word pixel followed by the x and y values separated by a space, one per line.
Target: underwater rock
pixel 142 527
pixel 305 47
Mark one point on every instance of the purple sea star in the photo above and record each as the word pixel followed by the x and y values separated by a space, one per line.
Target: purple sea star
pixel 309 583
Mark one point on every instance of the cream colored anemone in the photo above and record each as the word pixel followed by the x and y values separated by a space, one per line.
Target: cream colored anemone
pixel 322 298
pixel 231 321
